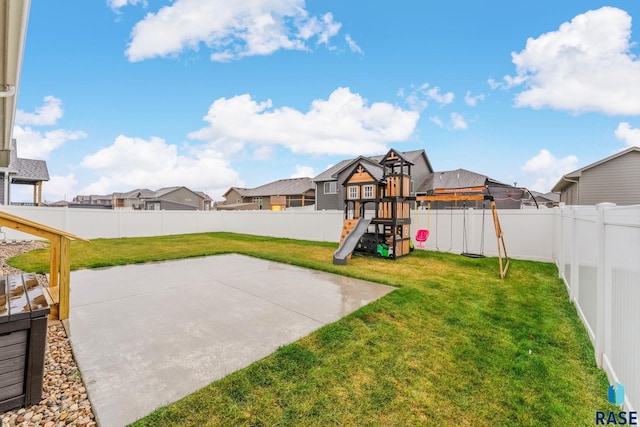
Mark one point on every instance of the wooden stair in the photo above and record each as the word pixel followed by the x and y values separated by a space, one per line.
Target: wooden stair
pixel 52 294
pixel 347 226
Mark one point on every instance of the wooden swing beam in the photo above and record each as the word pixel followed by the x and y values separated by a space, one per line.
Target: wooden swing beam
pixel 502 250
pixel 60 260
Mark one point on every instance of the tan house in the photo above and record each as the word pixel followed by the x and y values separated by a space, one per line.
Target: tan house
pixel 615 179
pixel 277 195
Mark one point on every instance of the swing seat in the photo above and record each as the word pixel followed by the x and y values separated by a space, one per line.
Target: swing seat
pixel 472 255
pixel 422 236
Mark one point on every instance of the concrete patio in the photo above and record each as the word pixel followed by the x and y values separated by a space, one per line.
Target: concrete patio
pixel 147 335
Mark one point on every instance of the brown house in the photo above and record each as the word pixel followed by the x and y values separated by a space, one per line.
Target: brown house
pixel 506 196
pixel 277 195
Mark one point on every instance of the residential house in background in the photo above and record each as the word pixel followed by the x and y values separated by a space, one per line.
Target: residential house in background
pixel 615 179
pixel 537 199
pixel 506 196
pixel 93 201
pixel 424 181
pixel 329 184
pixel 169 198
pixel 22 172
pixel 277 195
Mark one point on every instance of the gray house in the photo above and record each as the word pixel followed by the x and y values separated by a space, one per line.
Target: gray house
pixel 615 179
pixel 22 172
pixel 424 182
pixel 329 188
pixel 169 198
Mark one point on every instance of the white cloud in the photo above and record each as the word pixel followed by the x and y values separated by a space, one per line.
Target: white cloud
pixel 46 114
pixel 586 65
pixel 458 121
pixel 33 144
pixel 630 136
pixel 57 188
pixel 472 101
pixel 137 163
pixel 265 152
pixel 60 188
pixel 231 29
pixel 117 4
pixel 419 96
pixel 303 172
pixel 442 99
pixel 343 125
pixel 352 44
pixel 437 120
pixel 545 170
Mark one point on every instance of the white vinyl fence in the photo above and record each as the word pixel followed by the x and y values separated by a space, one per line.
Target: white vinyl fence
pixel 596 249
pixel 598 252
pixel 528 233
pixel 324 226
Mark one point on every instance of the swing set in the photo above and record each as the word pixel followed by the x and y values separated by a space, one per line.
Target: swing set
pixel 455 195
pixel 423 234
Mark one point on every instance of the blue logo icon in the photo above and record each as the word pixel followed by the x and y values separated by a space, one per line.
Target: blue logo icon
pixel 616 394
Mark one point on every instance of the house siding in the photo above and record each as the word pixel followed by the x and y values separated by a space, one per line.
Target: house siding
pixel 420 171
pixel 342 177
pixel 2 178
pixel 326 201
pixel 185 197
pixel 573 194
pixel 174 206
pixel 233 197
pixel 616 181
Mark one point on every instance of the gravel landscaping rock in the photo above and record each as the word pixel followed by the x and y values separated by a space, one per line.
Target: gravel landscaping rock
pixel 64 397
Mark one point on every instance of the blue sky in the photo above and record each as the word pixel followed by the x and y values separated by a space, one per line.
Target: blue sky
pixel 124 94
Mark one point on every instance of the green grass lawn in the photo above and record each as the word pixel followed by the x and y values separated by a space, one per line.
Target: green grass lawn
pixel 454 345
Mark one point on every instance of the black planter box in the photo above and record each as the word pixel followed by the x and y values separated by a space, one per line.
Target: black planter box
pixel 23 336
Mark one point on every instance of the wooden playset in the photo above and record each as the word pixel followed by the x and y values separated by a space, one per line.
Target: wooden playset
pixel 468 194
pixel 377 213
pixel 377 209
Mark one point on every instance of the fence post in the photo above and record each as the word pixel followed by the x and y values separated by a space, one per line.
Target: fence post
pixel 555 253
pixel 66 222
pixel 573 268
pixel 603 286
pixel 559 230
pixel 119 219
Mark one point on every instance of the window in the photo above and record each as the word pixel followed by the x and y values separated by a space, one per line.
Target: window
pixel 353 192
pixel 367 192
pixel 258 201
pixel 412 189
pixel 330 187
